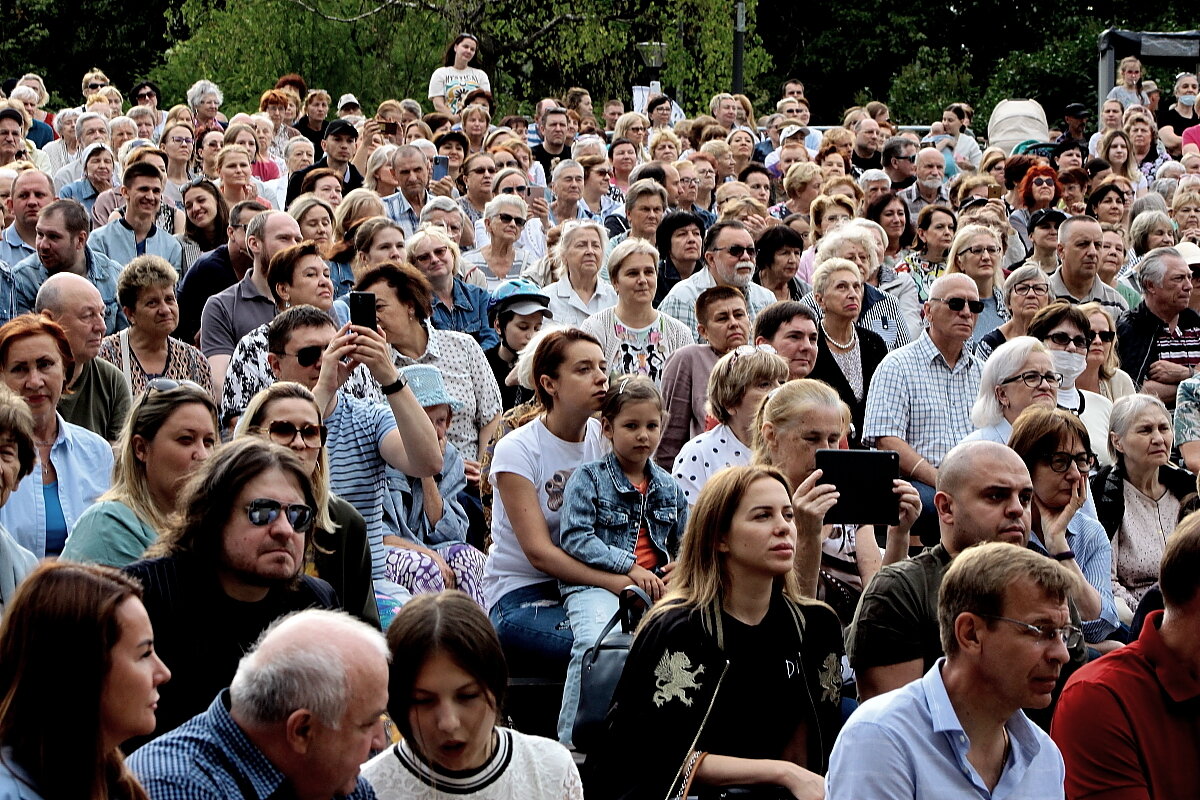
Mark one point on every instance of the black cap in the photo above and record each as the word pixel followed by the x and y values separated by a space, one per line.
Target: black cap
pixel 13 114
pixel 1046 216
pixel 1077 110
pixel 340 127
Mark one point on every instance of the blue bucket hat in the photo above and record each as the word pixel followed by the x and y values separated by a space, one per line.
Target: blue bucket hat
pixel 426 383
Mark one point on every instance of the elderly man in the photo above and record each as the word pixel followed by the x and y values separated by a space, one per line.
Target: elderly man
pixel 62 234
pixel 729 261
pixel 304 710
pixel 405 205
pixel 875 183
pixel 1127 723
pixel 241 308
pixel 920 399
pixel 1076 280
pixel 791 328
pixel 1160 339
pixel 90 127
pixel 930 186
pixel 98 395
pixel 232 565
pixel 32 190
pixel 134 233
pixel 959 731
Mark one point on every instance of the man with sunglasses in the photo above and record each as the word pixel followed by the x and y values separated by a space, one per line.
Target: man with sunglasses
pixel 728 261
pixel 921 395
pixel 1160 339
pixel 1006 628
pixel 1076 280
pixel 899 161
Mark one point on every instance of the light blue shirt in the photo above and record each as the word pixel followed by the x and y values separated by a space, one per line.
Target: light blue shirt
pixel 83 461
pixel 401 212
pixel 915 747
pixel 12 247
pixel 14 780
pixel 102 271
pixel 116 240
pixel 1093 553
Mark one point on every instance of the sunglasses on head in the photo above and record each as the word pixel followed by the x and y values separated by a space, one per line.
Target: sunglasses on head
pixel 169 385
pixel 264 511
pixel 509 218
pixel 284 432
pixel 959 303
pixel 305 356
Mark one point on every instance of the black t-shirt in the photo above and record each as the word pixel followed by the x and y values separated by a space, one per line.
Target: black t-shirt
pixel 549 160
pixel 510 396
pixel 873 161
pixel 211 274
pixel 1178 123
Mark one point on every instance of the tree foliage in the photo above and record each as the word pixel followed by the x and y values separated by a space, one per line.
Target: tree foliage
pixel 923 88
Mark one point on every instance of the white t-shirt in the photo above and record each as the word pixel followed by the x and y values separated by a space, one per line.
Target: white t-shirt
pixel 546 461
pixel 455 84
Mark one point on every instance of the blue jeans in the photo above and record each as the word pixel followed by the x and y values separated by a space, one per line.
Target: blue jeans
pixel 588 610
pixel 533 629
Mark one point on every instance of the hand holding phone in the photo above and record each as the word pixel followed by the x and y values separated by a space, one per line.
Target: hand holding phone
pixel 362 309
pixel 441 167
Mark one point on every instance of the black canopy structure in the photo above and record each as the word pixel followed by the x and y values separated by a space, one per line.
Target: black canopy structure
pixel 1179 49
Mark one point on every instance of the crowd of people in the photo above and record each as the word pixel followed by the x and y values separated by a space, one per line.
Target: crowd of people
pixel 323 427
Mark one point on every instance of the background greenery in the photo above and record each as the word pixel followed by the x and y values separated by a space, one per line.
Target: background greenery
pixel 917 55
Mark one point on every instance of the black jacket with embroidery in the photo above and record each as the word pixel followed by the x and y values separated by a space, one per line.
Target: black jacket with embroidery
pixel 671 682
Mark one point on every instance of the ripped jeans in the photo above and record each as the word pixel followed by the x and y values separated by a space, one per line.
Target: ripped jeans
pixel 533 629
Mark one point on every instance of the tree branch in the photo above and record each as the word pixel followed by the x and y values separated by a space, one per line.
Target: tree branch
pixel 386 4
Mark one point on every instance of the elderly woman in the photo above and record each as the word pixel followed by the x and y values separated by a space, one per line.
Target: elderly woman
pixel 847 352
pixel 637 338
pixel 594 202
pixel 1066 332
pixel 146 351
pixel 645 204
pixel 73 464
pixel 172 429
pixel 567 181
pixel 207 221
pixel 976 253
pixel 17 456
pixel 457 305
pixel 1145 153
pixel 1018 374
pixel 378 176
pixel 1103 374
pixel 98 176
pixel 479 171
pixel 801 184
pixel 793 423
pixel 63 149
pixel 1141 497
pixel 827 214
pixel 1114 251
pixel 880 312
pixel 205 99
pixel 1151 229
pixel 1026 291
pixel 1057 450
pixel 515 181
pixel 1039 189
pixel 736 388
pixel 579 292
pixel 884 276
pixel 204 159
pixel 502 257
pixel 664 145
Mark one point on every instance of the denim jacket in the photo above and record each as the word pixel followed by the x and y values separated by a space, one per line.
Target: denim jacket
pixel 602 513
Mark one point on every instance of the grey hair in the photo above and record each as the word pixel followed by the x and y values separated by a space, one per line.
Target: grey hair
pixel 1143 223
pixel 441 203
pixel 587 142
pixel 64 117
pixel 84 118
pixel 572 229
pixel 201 88
pixel 1165 188
pixel 1190 180
pixel 1124 412
pixel 425 147
pixel 831 245
pixel 314 675
pixel 1153 267
pixel 291 145
pixel 411 106
pixel 871 226
pixel 1169 169
pixel 872 175
pixel 1020 275
pixel 21 92
pixel 378 160
pixel 141 111
pixel 563 166
pixel 1147 202
pixel 1001 364
pixel 505 201
pixel 121 121
pixel 642 188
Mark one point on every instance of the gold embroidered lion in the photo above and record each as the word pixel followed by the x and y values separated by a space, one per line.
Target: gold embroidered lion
pixel 674 675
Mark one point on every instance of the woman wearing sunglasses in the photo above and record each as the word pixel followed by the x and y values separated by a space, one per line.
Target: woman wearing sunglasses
pixel 1037 190
pixel 1103 374
pixel 478 173
pixel 1066 333
pixel 457 305
pixel 171 430
pixel 230 563
pixel 977 252
pixel 1056 448
pixel 1018 374
pixel 503 257
pixel 286 413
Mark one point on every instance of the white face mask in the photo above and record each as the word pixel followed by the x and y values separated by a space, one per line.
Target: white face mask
pixel 1071 365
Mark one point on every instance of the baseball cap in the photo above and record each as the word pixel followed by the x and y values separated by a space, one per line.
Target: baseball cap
pixel 1149 87
pixel 1078 110
pixel 1190 253
pixel 341 127
pixel 347 100
pixel 789 131
pixel 13 114
pixel 1046 216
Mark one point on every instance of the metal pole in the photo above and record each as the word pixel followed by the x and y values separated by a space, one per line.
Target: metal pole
pixel 739 46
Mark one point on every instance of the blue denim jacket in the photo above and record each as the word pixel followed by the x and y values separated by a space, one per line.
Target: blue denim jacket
pixel 602 513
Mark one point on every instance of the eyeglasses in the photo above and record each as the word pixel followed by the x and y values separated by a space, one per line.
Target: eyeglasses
pixel 264 511
pixel 1042 182
pixel 438 252
pixel 284 432
pixel 483 170
pixel 94 85
pixel 751 349
pixel 169 385
pixel 1104 336
pixel 183 140
pixel 305 356
pixel 1061 461
pixel 1069 635
pixel 144 95
pixel 737 250
pixel 980 249
pixel 515 190
pixel 1034 379
pixel 1036 289
pixel 959 303
pixel 637 129
pixel 1064 339
pixel 509 219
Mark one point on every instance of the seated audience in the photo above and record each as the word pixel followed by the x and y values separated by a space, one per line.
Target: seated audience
pixel 790 327
pixel 17 456
pixel 1018 374
pixel 457 305
pixel 580 292
pixel 1026 292
pixel 1103 374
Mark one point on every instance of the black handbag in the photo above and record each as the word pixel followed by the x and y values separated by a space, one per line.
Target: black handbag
pixel 601 669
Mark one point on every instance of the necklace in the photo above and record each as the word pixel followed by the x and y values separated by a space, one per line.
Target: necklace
pixel 839 345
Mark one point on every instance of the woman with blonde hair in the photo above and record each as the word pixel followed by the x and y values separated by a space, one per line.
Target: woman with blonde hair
pixel 458 305
pixel 976 252
pixel 359 204
pixel 633 126
pixel 826 214
pixel 665 145
pixel 379 177
pixel 802 185
pixel 1117 149
pixel 1103 374
pixel 733 607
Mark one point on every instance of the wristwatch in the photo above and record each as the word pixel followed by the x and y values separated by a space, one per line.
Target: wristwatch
pixel 395 386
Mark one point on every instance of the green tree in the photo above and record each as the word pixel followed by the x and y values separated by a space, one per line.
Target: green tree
pixel 924 87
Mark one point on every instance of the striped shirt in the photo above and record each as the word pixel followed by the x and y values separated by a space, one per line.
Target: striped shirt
pixel 919 398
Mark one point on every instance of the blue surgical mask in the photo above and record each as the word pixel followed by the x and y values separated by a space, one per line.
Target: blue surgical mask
pixel 1188 100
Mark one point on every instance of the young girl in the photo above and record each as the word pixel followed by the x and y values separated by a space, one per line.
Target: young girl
pixel 623 514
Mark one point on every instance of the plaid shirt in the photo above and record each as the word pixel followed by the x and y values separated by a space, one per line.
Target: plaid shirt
pixel 916 396
pixel 210 758
pixel 680 302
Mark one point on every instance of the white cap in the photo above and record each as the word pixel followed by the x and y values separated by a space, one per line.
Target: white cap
pixel 1190 253
pixel 789 131
pixel 347 100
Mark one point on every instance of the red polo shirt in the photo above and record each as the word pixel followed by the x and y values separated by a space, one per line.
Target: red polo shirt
pixel 1128 724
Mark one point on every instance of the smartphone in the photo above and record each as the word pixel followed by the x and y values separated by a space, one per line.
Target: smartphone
pixel 864 481
pixel 995 192
pixel 389 128
pixel 441 167
pixel 362 309
pixel 547 195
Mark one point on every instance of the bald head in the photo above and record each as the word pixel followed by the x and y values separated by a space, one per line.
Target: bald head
pixel 74 303
pixel 63 289
pixel 983 495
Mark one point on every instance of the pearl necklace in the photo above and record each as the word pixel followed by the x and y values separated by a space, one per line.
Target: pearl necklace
pixel 840 345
